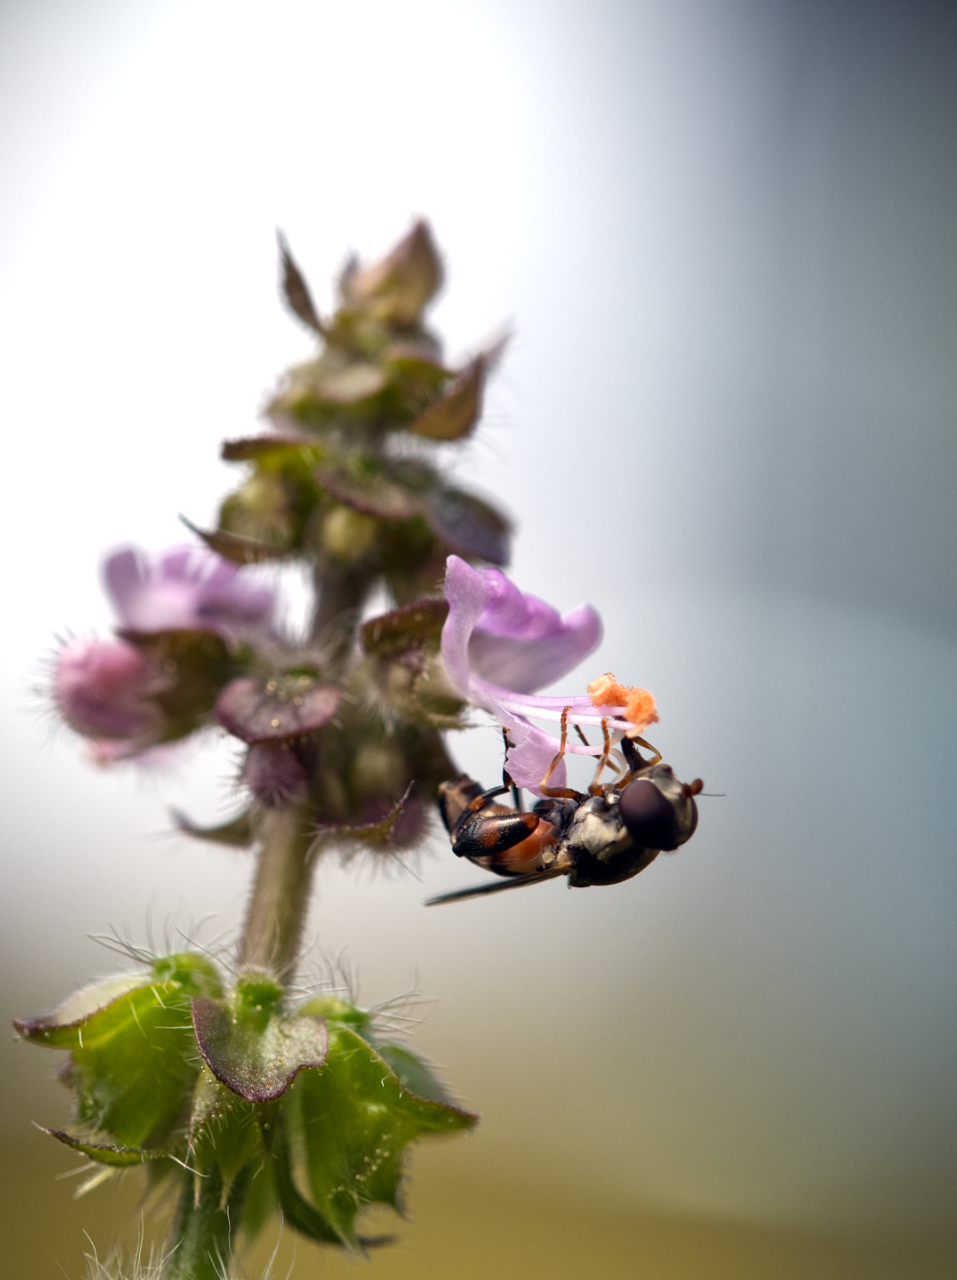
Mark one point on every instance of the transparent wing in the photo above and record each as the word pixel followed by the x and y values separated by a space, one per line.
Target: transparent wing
pixel 499 886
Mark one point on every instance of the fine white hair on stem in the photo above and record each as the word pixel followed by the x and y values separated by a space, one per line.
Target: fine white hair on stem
pixel 153 1265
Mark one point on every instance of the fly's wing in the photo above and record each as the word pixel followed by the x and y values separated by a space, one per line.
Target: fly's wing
pixel 498 886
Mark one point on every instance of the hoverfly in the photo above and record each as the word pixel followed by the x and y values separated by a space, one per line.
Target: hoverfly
pixel 602 837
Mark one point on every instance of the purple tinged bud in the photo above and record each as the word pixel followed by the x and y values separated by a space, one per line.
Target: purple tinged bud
pixel 275 774
pixel 102 688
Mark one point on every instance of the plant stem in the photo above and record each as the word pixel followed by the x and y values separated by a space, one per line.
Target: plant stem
pixel 204 1235
pixel 339 596
pixel 279 899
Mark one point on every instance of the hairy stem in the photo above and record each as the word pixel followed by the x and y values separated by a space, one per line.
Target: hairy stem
pixel 279 899
pixel 204 1231
pixel 339 598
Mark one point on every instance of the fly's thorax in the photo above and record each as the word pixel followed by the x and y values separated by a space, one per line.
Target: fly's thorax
pixel 597 830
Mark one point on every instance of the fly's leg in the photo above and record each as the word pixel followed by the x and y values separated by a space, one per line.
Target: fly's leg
pixel 559 793
pixel 648 747
pixel 596 789
pixel 636 762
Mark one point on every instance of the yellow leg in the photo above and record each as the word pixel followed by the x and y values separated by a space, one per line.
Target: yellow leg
pixel 596 789
pixel 558 793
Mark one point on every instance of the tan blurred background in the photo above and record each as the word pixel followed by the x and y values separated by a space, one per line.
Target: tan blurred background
pixel 723 233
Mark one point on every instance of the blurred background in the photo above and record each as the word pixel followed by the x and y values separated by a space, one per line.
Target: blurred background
pixel 723 233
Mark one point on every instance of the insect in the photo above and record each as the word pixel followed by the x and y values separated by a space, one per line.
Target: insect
pixel 602 837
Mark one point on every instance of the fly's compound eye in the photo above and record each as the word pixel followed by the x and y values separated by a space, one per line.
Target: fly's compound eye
pixel 652 820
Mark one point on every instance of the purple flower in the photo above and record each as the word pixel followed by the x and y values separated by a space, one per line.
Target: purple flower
pixel 103 688
pixel 186 588
pixel 498 645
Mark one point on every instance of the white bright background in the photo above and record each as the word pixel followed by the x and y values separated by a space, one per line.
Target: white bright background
pixel 723 233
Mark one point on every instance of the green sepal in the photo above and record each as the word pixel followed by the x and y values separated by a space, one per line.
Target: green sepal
pixel 237 832
pixel 262 1201
pixel 110 1154
pixel 349 1125
pixel 224 1130
pixel 334 1009
pixel 413 1074
pixel 250 1046
pixel 296 1209
pixel 134 1059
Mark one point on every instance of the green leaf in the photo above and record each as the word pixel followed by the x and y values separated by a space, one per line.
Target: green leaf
pixel 456 413
pixel 413 1074
pixel 413 626
pixel 250 1046
pixel 295 289
pixel 297 1210
pixel 275 447
pixel 118 1157
pixel 224 1130
pixel 237 832
pixel 134 1060
pixel 349 1125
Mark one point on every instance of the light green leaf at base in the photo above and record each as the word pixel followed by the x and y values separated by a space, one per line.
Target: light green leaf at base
pixel 349 1125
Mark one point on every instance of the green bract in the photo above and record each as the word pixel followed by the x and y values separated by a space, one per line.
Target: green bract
pixel 349 1125
pixel 134 1061
pixel 227 1092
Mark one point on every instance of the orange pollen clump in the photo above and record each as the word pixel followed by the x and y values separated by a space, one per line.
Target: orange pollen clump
pixel 607 692
pixel 640 707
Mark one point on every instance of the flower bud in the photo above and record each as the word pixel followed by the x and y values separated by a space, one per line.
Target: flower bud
pixel 378 768
pixel 276 773
pixel 102 689
pixel 348 534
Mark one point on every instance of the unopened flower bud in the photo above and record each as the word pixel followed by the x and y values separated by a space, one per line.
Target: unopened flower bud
pixel 378 768
pixel 348 534
pixel 276 774
pixel 102 689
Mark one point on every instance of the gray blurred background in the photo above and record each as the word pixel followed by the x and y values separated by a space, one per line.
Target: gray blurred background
pixel 724 235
